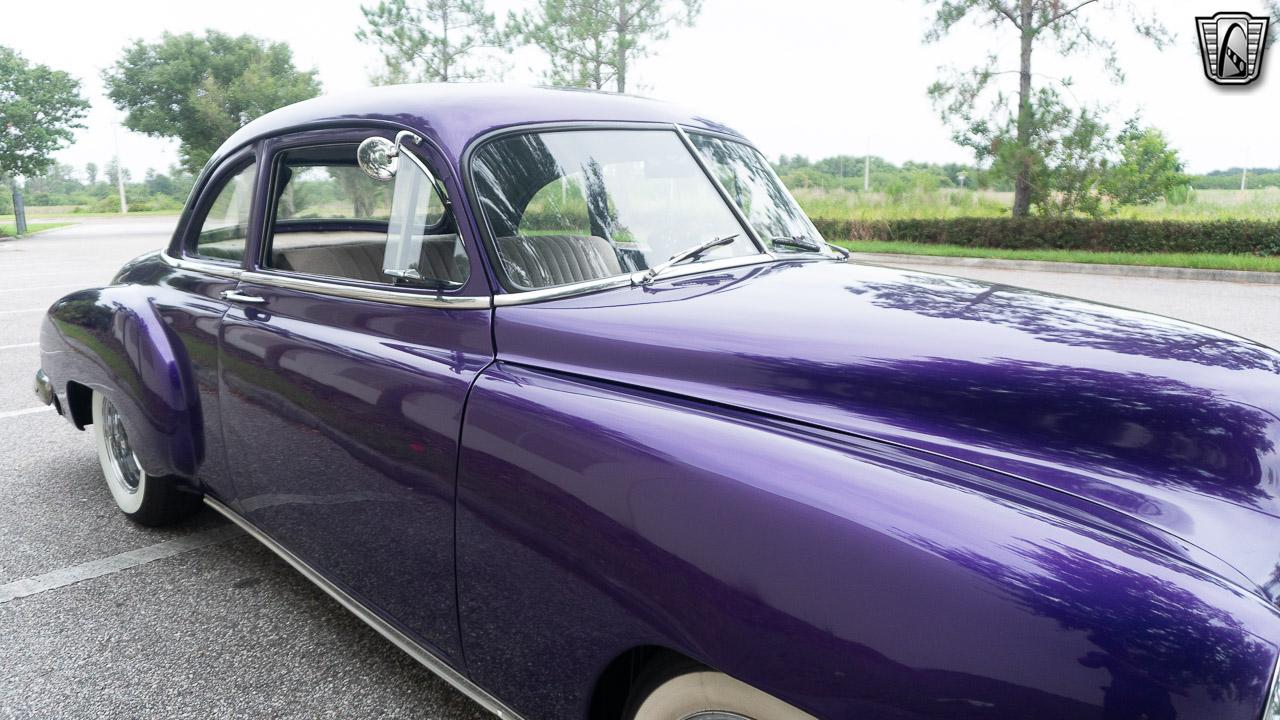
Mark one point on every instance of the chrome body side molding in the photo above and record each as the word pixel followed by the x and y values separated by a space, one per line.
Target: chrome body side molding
pixel 210 268
pixel 385 629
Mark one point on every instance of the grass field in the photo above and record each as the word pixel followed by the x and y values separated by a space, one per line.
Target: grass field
pixel 8 229
pixel 1261 204
pixel 1179 260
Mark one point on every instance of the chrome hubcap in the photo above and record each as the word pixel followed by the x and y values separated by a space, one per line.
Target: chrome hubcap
pixel 118 447
pixel 717 715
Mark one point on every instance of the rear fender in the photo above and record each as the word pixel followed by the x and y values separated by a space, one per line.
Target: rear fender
pixel 113 340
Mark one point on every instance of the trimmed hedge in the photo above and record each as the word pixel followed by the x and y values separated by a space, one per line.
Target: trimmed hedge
pixel 1236 237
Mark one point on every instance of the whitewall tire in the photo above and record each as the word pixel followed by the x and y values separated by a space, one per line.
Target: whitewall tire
pixel 697 693
pixel 146 499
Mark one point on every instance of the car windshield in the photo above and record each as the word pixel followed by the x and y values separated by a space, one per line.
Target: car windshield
pixel 580 205
pixel 751 182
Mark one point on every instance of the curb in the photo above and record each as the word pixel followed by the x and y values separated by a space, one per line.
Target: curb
pixel 1139 271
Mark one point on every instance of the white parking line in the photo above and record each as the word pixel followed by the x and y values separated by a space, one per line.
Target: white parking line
pixel 28 411
pixel 115 563
pixel 19 345
pixel 23 310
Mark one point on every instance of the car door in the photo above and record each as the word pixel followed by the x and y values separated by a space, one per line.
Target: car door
pixel 206 258
pixel 343 378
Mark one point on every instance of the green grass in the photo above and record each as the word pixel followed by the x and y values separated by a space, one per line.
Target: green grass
pixel 1203 261
pixel 10 230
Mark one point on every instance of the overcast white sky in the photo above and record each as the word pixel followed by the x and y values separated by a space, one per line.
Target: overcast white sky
pixel 817 77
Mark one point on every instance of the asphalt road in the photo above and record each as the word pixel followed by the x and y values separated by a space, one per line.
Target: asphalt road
pixel 200 621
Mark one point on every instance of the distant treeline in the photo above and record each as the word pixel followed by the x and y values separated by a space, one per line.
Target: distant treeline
pixel 847 172
pixel 94 190
pixel 1230 179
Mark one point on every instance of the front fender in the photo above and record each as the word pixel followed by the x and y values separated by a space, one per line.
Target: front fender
pixel 114 341
pixel 849 578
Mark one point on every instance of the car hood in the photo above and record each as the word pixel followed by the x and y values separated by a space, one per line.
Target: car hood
pixel 1161 420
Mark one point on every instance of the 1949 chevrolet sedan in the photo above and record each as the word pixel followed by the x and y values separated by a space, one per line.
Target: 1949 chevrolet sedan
pixel 563 394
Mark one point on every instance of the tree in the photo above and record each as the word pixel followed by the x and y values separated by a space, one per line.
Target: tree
pixel 91 172
pixel 592 43
pixel 1274 7
pixel 113 167
pixel 200 90
pixel 1148 168
pixel 984 117
pixel 432 40
pixel 40 109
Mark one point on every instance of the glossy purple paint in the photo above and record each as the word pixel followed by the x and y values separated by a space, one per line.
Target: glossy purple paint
pixel 1168 423
pixel 873 493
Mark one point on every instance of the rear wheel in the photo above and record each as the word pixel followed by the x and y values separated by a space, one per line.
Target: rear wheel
pixel 689 691
pixel 145 499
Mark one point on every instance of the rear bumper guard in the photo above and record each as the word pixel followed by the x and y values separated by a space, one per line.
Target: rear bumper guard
pixel 44 391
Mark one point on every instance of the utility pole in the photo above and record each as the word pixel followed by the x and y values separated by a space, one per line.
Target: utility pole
pixel 124 203
pixel 19 209
pixel 1244 179
pixel 866 168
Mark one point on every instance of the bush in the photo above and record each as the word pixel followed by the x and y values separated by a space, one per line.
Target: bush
pixel 1238 237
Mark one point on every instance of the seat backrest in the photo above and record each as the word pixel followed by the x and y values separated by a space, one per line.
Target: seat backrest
pixel 357 261
pixel 539 261
pixel 363 260
pixel 443 259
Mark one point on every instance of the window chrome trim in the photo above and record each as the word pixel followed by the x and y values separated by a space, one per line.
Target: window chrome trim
pixel 407 644
pixel 721 190
pixel 1271 707
pixel 204 266
pixel 834 254
pixel 413 298
pixel 619 281
pixel 493 258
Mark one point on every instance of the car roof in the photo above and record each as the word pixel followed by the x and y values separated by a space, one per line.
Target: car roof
pixel 454 114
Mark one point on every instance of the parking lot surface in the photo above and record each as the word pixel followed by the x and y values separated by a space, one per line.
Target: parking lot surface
pixel 102 618
pixel 219 629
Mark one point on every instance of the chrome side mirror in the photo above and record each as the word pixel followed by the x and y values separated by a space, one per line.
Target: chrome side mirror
pixel 379 158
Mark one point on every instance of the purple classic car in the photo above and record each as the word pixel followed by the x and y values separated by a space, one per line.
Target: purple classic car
pixel 563 394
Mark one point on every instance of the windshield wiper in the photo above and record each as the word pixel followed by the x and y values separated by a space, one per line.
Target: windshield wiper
pixel 799 242
pixel 683 255
pixel 802 242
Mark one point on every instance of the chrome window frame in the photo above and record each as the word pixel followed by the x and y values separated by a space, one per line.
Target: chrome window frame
pixel 522 297
pixel 370 292
pixel 201 202
pixel 202 266
pixel 727 137
pixel 260 272
pixel 251 270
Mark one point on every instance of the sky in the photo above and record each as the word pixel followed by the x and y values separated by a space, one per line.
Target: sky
pixel 810 77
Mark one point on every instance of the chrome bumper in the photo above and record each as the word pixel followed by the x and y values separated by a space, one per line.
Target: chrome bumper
pixel 44 391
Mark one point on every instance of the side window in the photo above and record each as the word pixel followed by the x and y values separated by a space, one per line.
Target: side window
pixel 226 223
pixel 330 219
